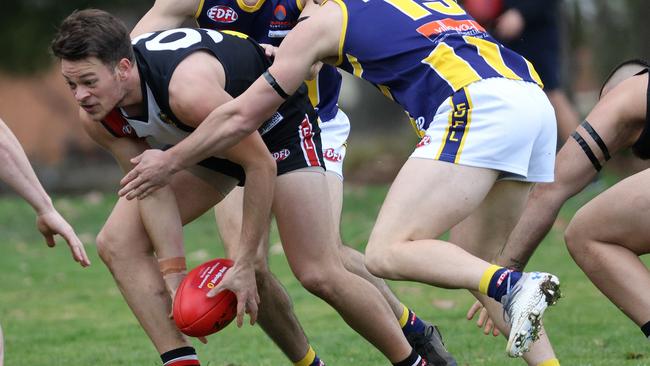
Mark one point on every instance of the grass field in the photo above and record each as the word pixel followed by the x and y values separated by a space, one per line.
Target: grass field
pixel 55 313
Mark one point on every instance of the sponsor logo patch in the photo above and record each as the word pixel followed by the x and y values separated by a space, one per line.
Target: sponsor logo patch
pixel 280 12
pixel 426 140
pixel 281 155
pixel 331 155
pixel 222 14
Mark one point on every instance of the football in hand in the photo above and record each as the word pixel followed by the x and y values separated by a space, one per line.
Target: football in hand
pixel 196 314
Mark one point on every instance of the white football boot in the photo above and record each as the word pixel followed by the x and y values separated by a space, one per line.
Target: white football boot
pixel 524 305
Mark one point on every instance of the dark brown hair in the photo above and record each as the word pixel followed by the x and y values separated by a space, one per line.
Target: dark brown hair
pixel 92 33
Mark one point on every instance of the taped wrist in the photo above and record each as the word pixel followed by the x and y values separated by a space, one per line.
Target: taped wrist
pixel 274 84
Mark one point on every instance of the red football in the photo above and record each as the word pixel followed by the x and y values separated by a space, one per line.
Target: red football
pixel 196 314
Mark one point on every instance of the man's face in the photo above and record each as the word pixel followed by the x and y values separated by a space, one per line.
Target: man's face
pixel 95 86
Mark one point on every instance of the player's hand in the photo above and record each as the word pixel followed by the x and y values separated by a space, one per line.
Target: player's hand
pixel 483 320
pixel 509 25
pixel 153 169
pixel 51 223
pixel 240 279
pixel 269 50
pixel 314 70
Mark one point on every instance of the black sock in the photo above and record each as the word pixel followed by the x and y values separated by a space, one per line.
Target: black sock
pixel 185 356
pixel 645 328
pixel 412 360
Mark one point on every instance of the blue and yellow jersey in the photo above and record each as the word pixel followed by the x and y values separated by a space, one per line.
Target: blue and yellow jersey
pixel 269 21
pixel 419 52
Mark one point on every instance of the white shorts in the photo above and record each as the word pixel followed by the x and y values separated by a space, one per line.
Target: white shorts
pixel 495 123
pixel 334 137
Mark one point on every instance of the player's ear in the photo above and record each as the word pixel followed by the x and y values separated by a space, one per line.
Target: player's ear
pixel 124 68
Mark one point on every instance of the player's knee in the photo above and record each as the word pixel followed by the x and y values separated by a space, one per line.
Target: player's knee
pixel 575 236
pixel 105 248
pixel 377 260
pixel 317 282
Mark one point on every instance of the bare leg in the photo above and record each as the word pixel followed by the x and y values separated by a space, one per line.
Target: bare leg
pixel 401 244
pixel 353 260
pixel 126 250
pixel 606 238
pixel 276 316
pixel 310 242
pixel 484 233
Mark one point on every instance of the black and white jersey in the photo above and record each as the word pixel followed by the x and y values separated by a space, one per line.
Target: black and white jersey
pixel 291 134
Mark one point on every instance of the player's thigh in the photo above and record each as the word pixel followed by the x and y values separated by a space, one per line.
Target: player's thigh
pixel 428 197
pixel 335 187
pixel 486 230
pixel 124 229
pixel 620 215
pixel 229 215
pixel 302 211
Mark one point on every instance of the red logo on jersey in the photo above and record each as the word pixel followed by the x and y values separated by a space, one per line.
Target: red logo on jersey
pixel 331 155
pixel 281 155
pixel 466 26
pixel 426 140
pixel 222 14
pixel 280 12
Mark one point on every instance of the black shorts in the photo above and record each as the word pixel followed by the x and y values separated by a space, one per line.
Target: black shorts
pixel 292 136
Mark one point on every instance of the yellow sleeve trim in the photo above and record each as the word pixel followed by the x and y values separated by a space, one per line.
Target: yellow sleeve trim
pixel 248 8
pixel 487 276
pixel 344 28
pixel 199 9
pixel 235 33
pixel 300 4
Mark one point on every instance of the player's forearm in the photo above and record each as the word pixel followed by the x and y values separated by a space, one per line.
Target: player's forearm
pixel 536 221
pixel 258 198
pixel 18 173
pixel 226 126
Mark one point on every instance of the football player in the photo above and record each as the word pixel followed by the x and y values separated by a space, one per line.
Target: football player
pixel 480 150
pixel 164 87
pixel 268 22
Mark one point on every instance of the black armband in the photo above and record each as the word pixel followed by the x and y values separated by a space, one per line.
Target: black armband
pixel 302 18
pixel 585 147
pixel 274 84
pixel 594 135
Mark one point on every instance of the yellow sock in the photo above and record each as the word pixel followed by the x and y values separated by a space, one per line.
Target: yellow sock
pixel 487 276
pixel 308 359
pixel 551 362
pixel 405 316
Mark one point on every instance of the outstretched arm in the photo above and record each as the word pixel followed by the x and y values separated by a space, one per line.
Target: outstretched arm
pixel 166 14
pixel 18 173
pixel 618 120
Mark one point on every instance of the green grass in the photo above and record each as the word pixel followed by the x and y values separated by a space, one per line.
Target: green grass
pixel 55 313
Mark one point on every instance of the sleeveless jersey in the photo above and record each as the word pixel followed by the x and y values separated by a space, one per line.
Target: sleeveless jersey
pixel 269 21
pixel 419 52
pixel 157 56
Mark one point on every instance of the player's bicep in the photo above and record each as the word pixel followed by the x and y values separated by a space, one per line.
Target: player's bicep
pixel 312 40
pixel 166 14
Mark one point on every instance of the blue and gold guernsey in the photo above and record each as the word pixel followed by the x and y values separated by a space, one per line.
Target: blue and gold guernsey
pixel 269 21
pixel 419 52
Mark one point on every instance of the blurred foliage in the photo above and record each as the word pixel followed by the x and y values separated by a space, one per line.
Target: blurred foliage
pixel 616 30
pixel 27 27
